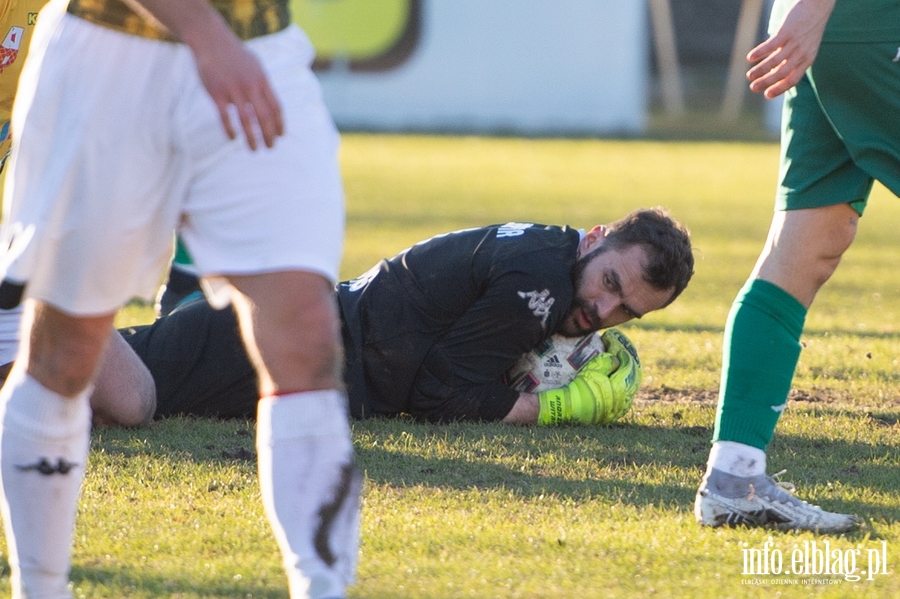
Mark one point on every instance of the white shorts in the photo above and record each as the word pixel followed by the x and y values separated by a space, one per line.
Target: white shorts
pixel 117 145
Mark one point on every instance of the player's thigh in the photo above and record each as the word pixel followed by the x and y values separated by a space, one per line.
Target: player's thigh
pixel 805 247
pixel 275 209
pixel 290 319
pixel 94 177
pixel 296 306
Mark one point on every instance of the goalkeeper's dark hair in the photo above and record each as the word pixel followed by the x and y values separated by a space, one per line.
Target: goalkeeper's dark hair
pixel 670 260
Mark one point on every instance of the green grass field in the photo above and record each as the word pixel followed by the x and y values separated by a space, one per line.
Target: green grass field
pixel 499 511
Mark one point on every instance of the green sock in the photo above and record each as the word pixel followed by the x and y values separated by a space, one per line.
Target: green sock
pixel 759 355
pixel 182 257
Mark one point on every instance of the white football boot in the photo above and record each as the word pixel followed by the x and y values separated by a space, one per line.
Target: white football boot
pixel 726 499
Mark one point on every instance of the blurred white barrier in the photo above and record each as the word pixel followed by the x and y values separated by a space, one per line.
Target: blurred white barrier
pixel 516 66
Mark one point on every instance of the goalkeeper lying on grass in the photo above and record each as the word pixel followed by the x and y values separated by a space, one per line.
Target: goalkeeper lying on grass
pixel 432 331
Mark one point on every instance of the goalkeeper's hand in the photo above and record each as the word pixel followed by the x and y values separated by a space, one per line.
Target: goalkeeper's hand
pixel 603 390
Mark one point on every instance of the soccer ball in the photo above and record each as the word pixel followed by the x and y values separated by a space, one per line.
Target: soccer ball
pixel 554 363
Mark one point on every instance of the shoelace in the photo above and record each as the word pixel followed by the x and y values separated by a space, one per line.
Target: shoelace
pixel 783 485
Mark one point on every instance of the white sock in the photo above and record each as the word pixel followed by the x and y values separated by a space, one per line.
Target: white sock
pixel 44 442
pixel 310 489
pixel 736 458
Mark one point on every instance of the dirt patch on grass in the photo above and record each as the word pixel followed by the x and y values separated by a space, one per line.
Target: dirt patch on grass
pixel 710 396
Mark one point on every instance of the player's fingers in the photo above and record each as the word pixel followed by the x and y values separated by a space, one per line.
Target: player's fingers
pixel 604 363
pixel 226 119
pixel 766 48
pixel 268 115
pixel 777 82
pixel 773 91
pixel 768 72
pixel 247 116
pixel 765 66
pixel 625 363
pixel 260 115
pixel 615 340
pixel 762 81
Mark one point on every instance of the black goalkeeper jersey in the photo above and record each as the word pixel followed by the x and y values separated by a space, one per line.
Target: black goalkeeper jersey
pixel 432 331
pixel 198 362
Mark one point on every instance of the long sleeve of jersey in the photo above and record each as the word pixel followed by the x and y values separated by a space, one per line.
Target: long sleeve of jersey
pixel 434 329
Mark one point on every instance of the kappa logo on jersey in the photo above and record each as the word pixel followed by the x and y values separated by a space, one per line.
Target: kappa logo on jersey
pixel 46 468
pixel 9 49
pixel 512 229
pixel 364 279
pixel 539 302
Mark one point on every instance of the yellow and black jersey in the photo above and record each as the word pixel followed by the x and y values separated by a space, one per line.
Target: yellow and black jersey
pixel 247 18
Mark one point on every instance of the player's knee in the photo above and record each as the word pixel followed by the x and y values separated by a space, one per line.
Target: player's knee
pixel 316 347
pixel 127 402
pixel 140 407
pixel 67 367
pixel 305 351
pixel 823 269
pixel 832 249
pixel 65 351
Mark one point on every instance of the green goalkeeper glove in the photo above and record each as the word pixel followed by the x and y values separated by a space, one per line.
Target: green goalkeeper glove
pixel 603 390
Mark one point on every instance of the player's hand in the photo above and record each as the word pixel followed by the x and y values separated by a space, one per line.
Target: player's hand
pixel 629 374
pixel 229 72
pixel 603 390
pixel 781 60
pixel 233 77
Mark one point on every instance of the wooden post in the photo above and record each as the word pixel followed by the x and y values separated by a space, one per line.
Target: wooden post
pixel 744 40
pixel 667 56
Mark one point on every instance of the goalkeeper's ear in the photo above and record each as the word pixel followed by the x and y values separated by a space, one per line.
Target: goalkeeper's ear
pixel 592 239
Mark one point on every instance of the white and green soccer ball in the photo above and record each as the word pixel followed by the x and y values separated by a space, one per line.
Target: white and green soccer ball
pixel 554 363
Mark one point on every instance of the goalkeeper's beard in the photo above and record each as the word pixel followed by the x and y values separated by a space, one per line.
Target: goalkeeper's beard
pixel 570 326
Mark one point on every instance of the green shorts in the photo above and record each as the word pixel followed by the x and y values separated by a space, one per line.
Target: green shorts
pixel 841 128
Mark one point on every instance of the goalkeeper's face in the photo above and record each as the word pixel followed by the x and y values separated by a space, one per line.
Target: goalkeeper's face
pixel 610 289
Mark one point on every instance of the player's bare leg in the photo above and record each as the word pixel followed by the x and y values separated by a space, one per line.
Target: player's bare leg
pixel 310 484
pixel 124 391
pixel 44 445
pixel 805 247
pixel 761 350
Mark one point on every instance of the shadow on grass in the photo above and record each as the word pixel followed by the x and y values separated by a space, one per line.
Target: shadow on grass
pixel 570 462
pixel 638 464
pixel 182 438
pixel 153 584
pixel 656 459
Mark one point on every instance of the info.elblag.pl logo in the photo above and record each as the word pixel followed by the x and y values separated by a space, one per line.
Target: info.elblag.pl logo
pixel 814 559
